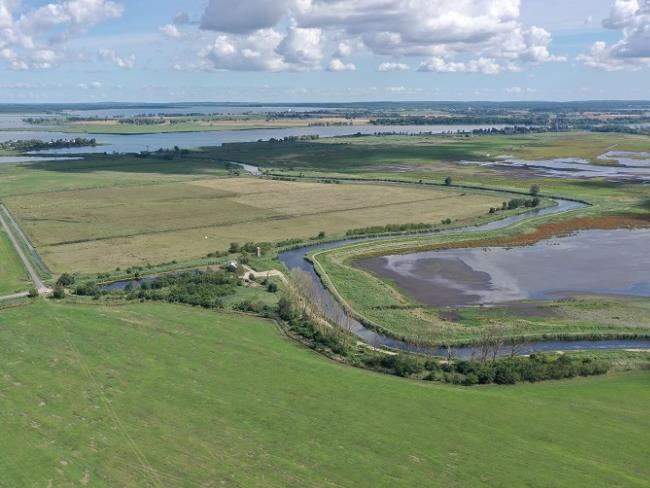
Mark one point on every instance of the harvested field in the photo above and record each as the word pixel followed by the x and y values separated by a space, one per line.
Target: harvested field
pixel 101 228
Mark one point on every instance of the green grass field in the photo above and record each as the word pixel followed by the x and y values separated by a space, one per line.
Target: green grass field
pixel 161 395
pixel 13 276
pixel 354 154
pixel 205 124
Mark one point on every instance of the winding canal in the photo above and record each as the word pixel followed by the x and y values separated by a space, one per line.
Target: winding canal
pixel 332 309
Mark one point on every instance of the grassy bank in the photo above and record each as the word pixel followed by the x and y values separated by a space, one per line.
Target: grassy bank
pixel 160 395
pixel 13 276
pixel 380 304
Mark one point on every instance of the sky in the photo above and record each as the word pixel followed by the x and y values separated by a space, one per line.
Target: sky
pixel 323 50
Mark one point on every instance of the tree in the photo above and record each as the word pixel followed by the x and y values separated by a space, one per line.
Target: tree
pixel 66 279
pixel 234 247
pixel 286 310
pixel 534 190
pixel 448 181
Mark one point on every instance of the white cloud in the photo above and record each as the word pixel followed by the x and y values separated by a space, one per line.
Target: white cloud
pixel 255 52
pixel 518 90
pixel 302 48
pixel 622 14
pixel 170 30
pixel 109 55
pixel 93 85
pixel 394 67
pixel 403 90
pixel 344 49
pixel 35 38
pixel 632 51
pixel 338 65
pixel 445 29
pixel 484 66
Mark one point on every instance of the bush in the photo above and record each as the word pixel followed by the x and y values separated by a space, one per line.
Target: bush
pixel 58 293
pixel 87 289
pixel 33 293
pixel 272 288
pixel 66 279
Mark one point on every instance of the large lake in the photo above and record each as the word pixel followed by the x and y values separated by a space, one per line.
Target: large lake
pixel 190 140
pixel 601 262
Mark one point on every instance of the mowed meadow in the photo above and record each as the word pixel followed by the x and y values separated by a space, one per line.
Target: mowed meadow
pixel 13 277
pixel 166 395
pixel 158 217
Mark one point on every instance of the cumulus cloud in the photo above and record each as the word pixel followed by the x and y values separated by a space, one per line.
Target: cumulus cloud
pixel 124 62
pixel 622 14
pixel 338 65
pixel 302 47
pixel 35 38
pixel 170 30
pixel 388 66
pixel 484 66
pixel 451 30
pixel 255 52
pixel 632 51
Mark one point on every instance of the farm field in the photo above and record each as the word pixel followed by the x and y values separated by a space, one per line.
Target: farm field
pixel 163 395
pixel 14 277
pixel 94 229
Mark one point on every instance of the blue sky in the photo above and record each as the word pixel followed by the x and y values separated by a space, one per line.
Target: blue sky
pixel 323 50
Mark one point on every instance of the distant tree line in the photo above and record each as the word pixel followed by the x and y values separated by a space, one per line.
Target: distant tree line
pixel 528 120
pixel 37 144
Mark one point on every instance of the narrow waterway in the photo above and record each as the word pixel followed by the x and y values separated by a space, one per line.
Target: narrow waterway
pixel 331 308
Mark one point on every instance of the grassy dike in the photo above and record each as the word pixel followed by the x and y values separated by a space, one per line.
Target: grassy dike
pixel 14 277
pixel 163 395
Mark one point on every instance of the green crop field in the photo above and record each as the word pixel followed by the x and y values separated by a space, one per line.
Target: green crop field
pixel 94 221
pixel 163 395
pixel 13 277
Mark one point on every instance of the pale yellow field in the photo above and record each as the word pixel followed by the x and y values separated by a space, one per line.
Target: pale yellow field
pixel 100 229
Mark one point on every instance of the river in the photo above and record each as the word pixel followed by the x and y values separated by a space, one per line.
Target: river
pixel 331 308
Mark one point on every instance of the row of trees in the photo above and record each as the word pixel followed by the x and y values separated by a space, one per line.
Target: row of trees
pixel 389 228
pixel 301 308
pixel 37 144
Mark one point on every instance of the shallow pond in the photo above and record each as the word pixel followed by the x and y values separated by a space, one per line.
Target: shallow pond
pixel 632 167
pixel 599 262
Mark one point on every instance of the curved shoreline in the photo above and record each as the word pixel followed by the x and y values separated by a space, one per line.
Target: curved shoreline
pixel 332 308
